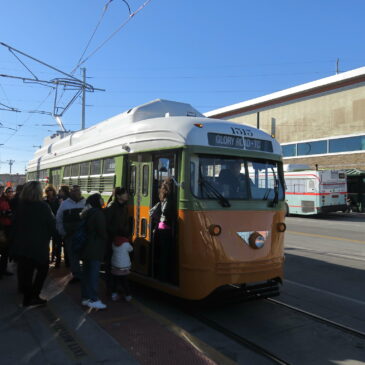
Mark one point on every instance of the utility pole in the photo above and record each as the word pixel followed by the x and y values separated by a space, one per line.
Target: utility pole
pixel 11 163
pixel 337 66
pixel 83 97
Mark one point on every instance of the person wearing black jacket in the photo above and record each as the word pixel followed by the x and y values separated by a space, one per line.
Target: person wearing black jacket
pixel 93 252
pixel 52 200
pixel 163 216
pixel 117 224
pixel 34 225
pixel 6 220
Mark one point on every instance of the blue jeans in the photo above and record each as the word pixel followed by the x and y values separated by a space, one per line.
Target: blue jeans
pixel 73 258
pixel 90 279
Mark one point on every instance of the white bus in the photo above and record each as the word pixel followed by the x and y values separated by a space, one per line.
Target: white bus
pixel 311 192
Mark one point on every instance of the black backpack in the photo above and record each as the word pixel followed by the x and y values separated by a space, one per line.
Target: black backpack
pixel 79 238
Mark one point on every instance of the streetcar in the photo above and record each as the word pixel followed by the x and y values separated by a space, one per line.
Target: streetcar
pixel 310 192
pixel 229 229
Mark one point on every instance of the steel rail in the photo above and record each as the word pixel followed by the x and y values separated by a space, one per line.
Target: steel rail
pixel 239 339
pixel 344 328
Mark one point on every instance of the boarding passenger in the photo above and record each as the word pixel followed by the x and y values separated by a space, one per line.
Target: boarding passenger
pixel 118 231
pixel 6 215
pixel 33 227
pixel 51 199
pixel 93 252
pixel 68 219
pixel 120 267
pixel 111 198
pixel 15 201
pixel 163 214
pixel 63 193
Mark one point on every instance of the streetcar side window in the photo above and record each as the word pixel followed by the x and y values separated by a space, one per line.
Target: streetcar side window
pixel 108 165
pixel 132 180
pixel 75 170
pixel 95 167
pixel 145 180
pixel 67 171
pixel 84 168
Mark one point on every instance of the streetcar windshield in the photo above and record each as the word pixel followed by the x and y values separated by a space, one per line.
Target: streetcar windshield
pixel 236 178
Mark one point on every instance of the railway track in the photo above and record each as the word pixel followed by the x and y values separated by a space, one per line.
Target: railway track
pixel 323 320
pixel 276 359
pixel 239 339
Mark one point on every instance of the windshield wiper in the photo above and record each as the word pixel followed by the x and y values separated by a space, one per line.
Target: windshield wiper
pixel 216 194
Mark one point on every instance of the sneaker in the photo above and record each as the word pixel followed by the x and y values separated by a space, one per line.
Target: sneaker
pixel 85 302
pixel 128 298
pixel 115 297
pixel 97 304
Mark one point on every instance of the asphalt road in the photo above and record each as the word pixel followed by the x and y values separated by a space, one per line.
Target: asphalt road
pixel 325 267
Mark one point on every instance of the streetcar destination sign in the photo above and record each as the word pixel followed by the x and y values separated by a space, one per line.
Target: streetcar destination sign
pixel 226 140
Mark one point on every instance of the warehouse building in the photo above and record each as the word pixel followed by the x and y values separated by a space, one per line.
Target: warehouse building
pixel 318 123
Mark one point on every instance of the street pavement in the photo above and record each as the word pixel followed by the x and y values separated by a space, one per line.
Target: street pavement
pixel 58 333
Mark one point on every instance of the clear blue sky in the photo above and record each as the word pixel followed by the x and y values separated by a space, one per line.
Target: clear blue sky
pixel 207 53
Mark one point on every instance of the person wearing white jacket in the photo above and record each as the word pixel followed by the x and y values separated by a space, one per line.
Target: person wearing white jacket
pixel 121 264
pixel 67 221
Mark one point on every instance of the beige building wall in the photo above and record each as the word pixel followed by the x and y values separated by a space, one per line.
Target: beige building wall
pixel 328 114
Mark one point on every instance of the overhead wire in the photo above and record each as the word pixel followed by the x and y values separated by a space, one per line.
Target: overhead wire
pixel 105 8
pixel 81 60
pixel 114 33
pixel 92 35
pixel 131 15
pixel 28 118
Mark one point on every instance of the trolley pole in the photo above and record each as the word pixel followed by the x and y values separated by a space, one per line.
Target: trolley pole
pixel 83 98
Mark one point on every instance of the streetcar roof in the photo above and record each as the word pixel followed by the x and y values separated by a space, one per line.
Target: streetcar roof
pixel 152 126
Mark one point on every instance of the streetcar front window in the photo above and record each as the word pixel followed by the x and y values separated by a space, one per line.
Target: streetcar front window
pixel 236 178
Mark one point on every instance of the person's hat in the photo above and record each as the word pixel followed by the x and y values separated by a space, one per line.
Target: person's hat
pixel 119 240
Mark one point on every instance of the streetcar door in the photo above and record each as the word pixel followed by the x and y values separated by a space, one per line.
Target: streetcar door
pixel 140 189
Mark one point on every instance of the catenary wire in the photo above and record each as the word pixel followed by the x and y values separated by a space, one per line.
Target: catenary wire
pixel 114 33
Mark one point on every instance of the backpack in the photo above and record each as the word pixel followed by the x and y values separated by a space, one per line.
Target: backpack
pixel 79 238
pixel 71 220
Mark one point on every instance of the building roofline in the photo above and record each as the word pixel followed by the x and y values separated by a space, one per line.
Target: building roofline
pixel 311 88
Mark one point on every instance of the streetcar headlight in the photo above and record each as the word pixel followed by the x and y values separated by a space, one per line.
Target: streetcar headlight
pixel 215 229
pixel 256 240
pixel 281 227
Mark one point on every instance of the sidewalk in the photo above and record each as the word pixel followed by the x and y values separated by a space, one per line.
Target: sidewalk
pixel 64 332
pixel 58 333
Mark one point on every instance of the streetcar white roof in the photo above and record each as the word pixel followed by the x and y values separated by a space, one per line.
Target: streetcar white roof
pixel 152 126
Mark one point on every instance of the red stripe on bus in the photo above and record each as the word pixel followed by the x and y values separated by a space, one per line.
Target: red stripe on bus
pixel 317 177
pixel 300 206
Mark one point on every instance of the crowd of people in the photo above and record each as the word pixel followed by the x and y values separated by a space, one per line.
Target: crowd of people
pixel 36 225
